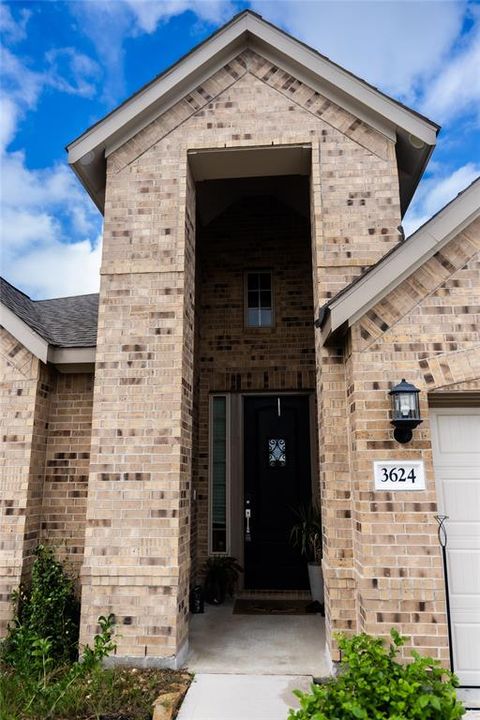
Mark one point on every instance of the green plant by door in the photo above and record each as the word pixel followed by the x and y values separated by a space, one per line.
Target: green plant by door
pixel 373 685
pixel 306 533
pixel 221 576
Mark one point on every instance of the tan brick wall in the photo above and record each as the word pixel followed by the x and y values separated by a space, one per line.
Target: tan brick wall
pixel 66 468
pixel 33 512
pixel 426 331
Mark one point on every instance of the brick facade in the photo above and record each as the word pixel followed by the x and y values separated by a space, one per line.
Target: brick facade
pixel 171 332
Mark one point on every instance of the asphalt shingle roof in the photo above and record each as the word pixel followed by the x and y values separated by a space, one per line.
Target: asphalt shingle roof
pixel 63 322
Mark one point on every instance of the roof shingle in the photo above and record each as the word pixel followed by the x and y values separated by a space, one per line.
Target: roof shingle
pixel 63 322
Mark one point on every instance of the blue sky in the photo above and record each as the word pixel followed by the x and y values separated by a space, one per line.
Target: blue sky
pixel 66 64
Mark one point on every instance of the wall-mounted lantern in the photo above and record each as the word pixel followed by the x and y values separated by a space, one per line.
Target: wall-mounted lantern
pixel 405 410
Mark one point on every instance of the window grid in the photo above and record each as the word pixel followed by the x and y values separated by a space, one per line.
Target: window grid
pixel 259 300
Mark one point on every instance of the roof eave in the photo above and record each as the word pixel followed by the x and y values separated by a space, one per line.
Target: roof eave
pixel 40 347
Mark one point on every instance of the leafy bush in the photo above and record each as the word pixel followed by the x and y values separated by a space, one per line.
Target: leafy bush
pixel 38 672
pixel 372 685
pixel 46 618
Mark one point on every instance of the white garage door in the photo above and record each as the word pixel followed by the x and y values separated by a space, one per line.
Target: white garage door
pixel 456 456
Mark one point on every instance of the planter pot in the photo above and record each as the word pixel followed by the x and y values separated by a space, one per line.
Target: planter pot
pixel 214 591
pixel 315 576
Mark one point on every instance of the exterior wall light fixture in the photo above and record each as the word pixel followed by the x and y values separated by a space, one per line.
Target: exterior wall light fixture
pixel 405 410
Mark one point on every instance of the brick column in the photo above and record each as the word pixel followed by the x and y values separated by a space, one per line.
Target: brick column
pixel 137 530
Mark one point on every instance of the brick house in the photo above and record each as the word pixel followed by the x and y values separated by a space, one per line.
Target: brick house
pixel 258 302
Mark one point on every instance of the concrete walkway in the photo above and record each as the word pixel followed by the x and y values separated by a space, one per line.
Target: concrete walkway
pixel 248 697
pixel 241 697
pixel 247 666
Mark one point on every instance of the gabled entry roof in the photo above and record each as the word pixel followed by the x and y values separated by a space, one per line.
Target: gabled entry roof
pixel 414 134
pixel 351 303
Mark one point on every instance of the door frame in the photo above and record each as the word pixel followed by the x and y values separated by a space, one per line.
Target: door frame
pixel 237 462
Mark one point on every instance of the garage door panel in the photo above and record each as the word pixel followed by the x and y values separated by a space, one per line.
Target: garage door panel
pixel 456 456
pixel 467 636
pixel 454 435
pixel 460 540
pixel 463 572
pixel 462 497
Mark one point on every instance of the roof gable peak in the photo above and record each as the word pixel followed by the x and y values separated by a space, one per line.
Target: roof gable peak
pixel 414 134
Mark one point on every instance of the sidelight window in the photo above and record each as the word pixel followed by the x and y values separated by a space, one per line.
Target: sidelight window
pixel 259 299
pixel 219 456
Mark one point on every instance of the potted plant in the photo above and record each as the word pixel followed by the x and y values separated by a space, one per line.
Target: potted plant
pixel 306 535
pixel 221 575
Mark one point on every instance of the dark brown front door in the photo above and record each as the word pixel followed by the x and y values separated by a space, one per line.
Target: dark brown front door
pixel 277 480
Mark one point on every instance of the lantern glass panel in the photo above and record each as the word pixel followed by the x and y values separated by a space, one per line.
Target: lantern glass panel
pixel 405 406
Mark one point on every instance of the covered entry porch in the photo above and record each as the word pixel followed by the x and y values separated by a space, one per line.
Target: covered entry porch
pixel 224 642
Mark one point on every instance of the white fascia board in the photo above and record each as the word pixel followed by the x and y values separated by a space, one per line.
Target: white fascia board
pixel 22 332
pixel 71 356
pixel 140 103
pixel 407 258
pixel 158 96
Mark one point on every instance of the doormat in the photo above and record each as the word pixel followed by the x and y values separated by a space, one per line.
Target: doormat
pixel 254 606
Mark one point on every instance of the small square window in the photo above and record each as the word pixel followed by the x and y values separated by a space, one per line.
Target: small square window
pixel 259 300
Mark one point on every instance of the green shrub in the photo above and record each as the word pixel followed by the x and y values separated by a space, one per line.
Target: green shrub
pixel 46 619
pixel 372 685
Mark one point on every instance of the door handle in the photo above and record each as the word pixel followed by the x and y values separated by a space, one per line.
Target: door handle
pixel 248 515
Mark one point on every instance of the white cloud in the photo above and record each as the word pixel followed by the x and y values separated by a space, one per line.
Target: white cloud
pixel 125 19
pixel 13 30
pixel 8 121
pixel 395 45
pixel 49 227
pixel 455 90
pixel 436 191
pixel 22 85
pixel 72 72
pixel 55 269
pixel 148 13
pixel 49 230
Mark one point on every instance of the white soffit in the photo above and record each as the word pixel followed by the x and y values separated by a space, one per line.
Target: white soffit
pixel 71 356
pixel 87 153
pixel 250 161
pixel 404 260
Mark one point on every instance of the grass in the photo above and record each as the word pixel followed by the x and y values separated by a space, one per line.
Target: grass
pixel 102 694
